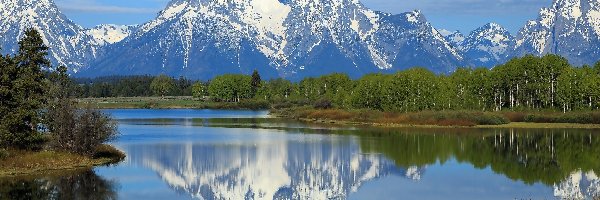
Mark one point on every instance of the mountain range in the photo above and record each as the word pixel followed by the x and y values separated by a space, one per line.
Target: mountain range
pixel 200 39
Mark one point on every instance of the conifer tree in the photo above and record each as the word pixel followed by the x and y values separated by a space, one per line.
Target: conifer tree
pixel 256 82
pixel 25 92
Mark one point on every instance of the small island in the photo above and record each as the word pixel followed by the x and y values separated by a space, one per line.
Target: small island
pixel 42 129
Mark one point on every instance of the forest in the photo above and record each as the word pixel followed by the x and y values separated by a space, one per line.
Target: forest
pixel 547 83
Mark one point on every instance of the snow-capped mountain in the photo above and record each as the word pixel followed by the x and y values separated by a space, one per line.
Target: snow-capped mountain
pixel 59 33
pixel 201 38
pixel 487 46
pixel 107 34
pixel 570 28
pixel 454 38
pixel 70 44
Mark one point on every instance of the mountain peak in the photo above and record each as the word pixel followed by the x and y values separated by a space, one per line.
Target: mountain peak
pixel 487 46
pixel 570 28
pixel 455 38
pixel 416 16
pixel 105 34
pixel 289 39
pixel 493 26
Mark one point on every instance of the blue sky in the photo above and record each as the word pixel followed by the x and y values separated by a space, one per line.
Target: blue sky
pixel 463 15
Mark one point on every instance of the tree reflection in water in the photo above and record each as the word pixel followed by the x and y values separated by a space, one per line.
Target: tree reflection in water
pixel 72 185
pixel 567 160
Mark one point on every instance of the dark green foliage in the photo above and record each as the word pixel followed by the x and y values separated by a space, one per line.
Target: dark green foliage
pixel 575 117
pixel 256 82
pixel 34 101
pixel 23 92
pixel 3 154
pixel 115 86
pixel 323 104
pixel 254 104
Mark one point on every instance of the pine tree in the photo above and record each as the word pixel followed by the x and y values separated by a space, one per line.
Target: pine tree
pixel 25 90
pixel 256 82
pixel 8 75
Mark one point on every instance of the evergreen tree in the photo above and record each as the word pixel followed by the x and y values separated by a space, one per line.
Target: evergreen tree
pixel 8 75
pixel 256 82
pixel 25 92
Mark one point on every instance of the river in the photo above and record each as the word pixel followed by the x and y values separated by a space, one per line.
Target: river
pixel 213 154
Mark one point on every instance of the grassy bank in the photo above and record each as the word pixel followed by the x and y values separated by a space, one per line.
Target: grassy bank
pixel 21 162
pixel 168 103
pixel 441 118
pixel 445 118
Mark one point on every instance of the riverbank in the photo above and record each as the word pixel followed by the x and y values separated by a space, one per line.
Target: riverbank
pixel 180 102
pixel 22 163
pixel 442 119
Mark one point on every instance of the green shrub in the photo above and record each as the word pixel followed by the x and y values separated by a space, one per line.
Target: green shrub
pixel 4 154
pixel 576 118
pixel 323 104
pixel 254 104
pixel 107 151
pixel 283 105
pixel 491 119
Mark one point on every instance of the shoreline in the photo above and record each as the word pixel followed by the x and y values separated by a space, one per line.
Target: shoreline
pixel 186 102
pixel 511 125
pixel 28 163
pixel 182 102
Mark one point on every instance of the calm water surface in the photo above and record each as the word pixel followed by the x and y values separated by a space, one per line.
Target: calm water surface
pixel 209 154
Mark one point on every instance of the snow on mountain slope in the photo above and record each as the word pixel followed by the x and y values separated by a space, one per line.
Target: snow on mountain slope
pixel 106 34
pixel 570 28
pixel 487 46
pixel 61 35
pixel 454 38
pixel 201 39
pixel 293 39
pixel 70 44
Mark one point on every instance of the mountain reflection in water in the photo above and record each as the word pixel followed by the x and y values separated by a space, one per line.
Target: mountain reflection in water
pixel 311 161
pixel 266 158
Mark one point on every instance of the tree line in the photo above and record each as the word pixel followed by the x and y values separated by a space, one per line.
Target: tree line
pixel 525 83
pixel 132 86
pixel 37 105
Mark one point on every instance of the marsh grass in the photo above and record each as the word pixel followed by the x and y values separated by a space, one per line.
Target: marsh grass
pixel 22 162
pixel 554 117
pixel 440 118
